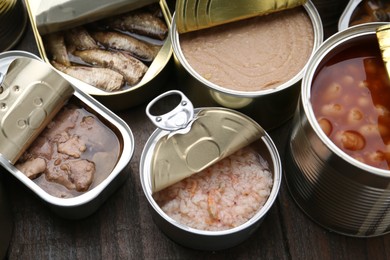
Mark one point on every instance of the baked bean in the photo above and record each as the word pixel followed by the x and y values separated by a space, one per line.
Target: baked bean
pixel 347 80
pixel 325 125
pixel 333 91
pixel 332 110
pixel 352 140
pixel 369 130
pixel 355 116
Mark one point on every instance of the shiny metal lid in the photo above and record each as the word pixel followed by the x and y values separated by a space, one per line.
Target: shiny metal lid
pixel 31 93
pixel 56 15
pixel 194 141
pixel 383 36
pixel 194 15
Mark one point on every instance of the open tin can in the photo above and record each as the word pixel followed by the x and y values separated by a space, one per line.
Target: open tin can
pixel 194 159
pixel 364 11
pixel 57 140
pixel 234 69
pixel 117 51
pixel 333 170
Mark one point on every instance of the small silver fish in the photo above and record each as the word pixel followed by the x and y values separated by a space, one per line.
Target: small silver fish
pixel 120 41
pixel 103 78
pixel 143 23
pixel 132 69
pixel 55 45
pixel 80 39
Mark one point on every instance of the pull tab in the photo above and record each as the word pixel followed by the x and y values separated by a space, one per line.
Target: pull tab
pixel 177 118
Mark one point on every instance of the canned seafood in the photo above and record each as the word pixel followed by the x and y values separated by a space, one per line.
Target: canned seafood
pixel 337 155
pixel 13 17
pixel 219 66
pixel 117 51
pixel 57 140
pixel 364 11
pixel 216 146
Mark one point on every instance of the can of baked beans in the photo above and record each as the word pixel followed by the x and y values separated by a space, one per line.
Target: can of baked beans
pixel 338 155
pixel 210 174
pixel 13 18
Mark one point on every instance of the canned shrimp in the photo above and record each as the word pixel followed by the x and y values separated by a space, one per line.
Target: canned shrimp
pixel 253 65
pixel 117 51
pixel 210 175
pixel 338 154
pixel 59 142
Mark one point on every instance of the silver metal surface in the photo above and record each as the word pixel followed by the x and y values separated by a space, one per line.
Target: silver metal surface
pixel 338 192
pixel 270 108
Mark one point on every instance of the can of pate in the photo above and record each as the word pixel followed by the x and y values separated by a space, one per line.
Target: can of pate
pixel 117 51
pixel 337 166
pixel 210 174
pixel 253 65
pixel 62 144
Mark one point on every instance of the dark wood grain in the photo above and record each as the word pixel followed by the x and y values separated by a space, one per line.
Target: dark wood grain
pixel 122 227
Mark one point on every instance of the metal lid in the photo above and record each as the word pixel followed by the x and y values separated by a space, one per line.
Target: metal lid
pixel 56 15
pixel 31 93
pixel 194 15
pixel 194 141
pixel 383 36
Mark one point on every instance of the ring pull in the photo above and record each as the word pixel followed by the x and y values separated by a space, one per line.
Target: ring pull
pixel 177 118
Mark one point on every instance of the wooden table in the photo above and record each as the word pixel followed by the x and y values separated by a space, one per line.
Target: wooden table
pixel 122 228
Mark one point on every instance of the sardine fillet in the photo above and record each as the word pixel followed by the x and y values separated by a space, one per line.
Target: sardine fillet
pixel 102 78
pixel 119 41
pixel 55 44
pixel 142 23
pixel 131 68
pixel 80 39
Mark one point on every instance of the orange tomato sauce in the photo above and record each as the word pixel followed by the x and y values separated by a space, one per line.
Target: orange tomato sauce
pixel 350 97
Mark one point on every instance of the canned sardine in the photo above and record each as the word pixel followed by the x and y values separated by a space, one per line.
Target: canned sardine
pixel 338 154
pixel 253 65
pixel 118 55
pixel 218 164
pixel 66 147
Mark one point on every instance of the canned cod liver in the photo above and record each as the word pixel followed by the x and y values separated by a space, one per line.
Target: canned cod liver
pixel 252 65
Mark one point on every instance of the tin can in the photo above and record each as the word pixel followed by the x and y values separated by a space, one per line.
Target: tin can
pixel 188 141
pixel 269 107
pixel 26 109
pixel 129 95
pixel 364 11
pixel 13 17
pixel 334 189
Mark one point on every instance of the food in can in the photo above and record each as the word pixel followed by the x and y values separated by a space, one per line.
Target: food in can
pixel 350 96
pixel 223 196
pixel 370 11
pixel 121 47
pixel 74 153
pixel 253 54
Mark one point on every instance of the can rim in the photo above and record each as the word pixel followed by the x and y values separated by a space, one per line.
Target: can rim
pixel 347 13
pixel 332 42
pixel 318 39
pixel 144 171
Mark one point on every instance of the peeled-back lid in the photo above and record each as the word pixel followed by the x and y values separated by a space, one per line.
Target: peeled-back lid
pixel 383 36
pixel 31 94
pixel 194 15
pixel 195 141
pixel 56 15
